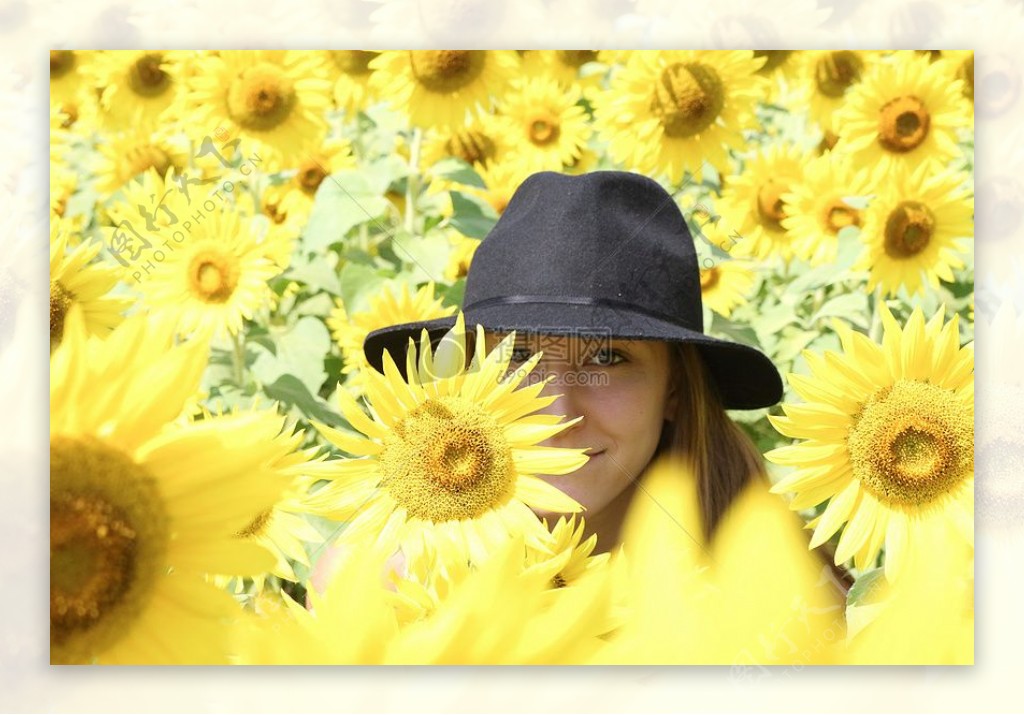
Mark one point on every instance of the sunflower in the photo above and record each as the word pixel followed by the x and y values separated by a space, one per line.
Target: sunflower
pixel 960 65
pixel 273 98
pixel 313 168
pixel 752 203
pixel 701 609
pixel 500 182
pixel 75 280
pixel 726 285
pixel 570 557
pixel 439 87
pixel 915 228
pixel 817 207
pixel 139 88
pixel 479 142
pixel 904 112
pixel 563 67
pixel 824 77
pixel 350 72
pixel 450 456
pixel 889 438
pixel 669 112
pixel 387 307
pixel 69 91
pixel 128 154
pixel 141 510
pixel 461 257
pixel 354 621
pixel 545 124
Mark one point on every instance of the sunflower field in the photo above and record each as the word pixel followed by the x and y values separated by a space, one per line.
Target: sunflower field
pixel 232 482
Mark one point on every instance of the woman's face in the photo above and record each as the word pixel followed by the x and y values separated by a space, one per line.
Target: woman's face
pixel 621 389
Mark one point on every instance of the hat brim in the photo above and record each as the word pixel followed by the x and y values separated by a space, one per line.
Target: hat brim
pixel 745 377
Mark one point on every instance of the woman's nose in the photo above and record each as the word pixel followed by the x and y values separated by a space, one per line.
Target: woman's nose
pixel 566 405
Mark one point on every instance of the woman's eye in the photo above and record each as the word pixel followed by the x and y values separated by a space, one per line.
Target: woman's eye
pixel 606 357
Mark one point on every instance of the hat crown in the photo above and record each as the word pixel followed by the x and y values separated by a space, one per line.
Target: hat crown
pixel 608 237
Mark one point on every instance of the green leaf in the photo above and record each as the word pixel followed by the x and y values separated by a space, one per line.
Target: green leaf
pixel 358 283
pixel 300 353
pixel 344 200
pixel 459 171
pixel 852 307
pixel 289 390
pixel 867 588
pixel 318 274
pixel 427 256
pixel 791 344
pixel 470 216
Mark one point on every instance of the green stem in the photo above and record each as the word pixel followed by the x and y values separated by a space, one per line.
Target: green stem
pixel 875 332
pixel 238 357
pixel 412 181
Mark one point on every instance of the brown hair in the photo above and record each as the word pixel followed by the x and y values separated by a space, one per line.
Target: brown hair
pixel 722 456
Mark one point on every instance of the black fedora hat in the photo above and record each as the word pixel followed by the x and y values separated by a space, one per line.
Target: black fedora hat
pixel 605 253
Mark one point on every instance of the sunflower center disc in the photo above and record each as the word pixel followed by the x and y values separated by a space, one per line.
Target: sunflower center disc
pixel 211 277
pixel 354 62
pixel 108 536
pixel 836 71
pixel 146 78
pixel 688 97
pixel 543 129
pixel 838 216
pixel 912 443
pixel 448 459
pixel 769 204
pixel 310 176
pixel 709 278
pixel 908 229
pixel 61 62
pixel 60 302
pixel 261 98
pixel 471 146
pixel 903 124
pixel 446 71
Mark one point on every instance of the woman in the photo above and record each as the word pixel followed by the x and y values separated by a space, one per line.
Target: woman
pixel 599 271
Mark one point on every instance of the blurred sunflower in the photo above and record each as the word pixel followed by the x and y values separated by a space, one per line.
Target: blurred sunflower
pixel 888 436
pixel 906 111
pixel 479 142
pixel 960 65
pixel 817 210
pixel 387 307
pixel 500 182
pixel 274 98
pixel 752 202
pixel 460 258
pixel 127 154
pixel 562 66
pixel 315 165
pixel 69 86
pixel 823 79
pixel 570 557
pixel 76 281
pixel 439 87
pixel 726 285
pixel 915 228
pixel 140 512
pixel 702 610
pixel 450 456
pixel 350 72
pixel 544 124
pixel 669 112
pixel 139 88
